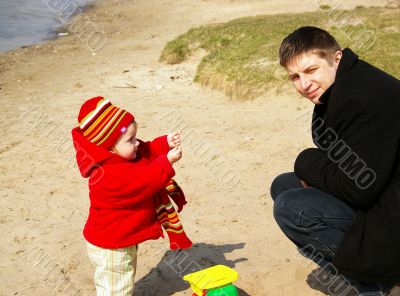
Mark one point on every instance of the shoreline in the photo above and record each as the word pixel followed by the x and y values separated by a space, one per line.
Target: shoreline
pixel 55 21
pixel 86 8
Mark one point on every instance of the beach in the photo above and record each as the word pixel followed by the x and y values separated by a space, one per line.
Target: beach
pixel 232 152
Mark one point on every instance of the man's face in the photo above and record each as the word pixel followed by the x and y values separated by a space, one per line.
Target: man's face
pixel 312 75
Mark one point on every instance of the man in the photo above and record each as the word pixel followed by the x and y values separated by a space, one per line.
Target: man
pixel 341 206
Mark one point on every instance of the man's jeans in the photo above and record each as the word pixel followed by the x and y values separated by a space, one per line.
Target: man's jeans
pixel 309 216
pixel 312 219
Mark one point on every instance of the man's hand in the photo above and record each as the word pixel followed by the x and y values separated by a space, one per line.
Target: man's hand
pixel 174 139
pixel 304 183
pixel 174 154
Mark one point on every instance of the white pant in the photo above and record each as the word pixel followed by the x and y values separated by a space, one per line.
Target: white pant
pixel 114 270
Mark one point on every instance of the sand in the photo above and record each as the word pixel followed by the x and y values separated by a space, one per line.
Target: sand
pixel 232 152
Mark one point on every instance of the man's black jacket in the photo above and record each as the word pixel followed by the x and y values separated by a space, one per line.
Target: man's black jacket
pixel 357 132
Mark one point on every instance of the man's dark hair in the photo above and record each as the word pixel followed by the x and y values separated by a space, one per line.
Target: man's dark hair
pixel 307 39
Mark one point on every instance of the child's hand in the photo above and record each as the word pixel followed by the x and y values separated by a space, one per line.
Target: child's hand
pixel 174 139
pixel 174 154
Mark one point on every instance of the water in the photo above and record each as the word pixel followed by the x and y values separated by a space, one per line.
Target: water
pixel 26 22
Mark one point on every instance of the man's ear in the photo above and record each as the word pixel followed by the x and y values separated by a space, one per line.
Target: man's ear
pixel 338 57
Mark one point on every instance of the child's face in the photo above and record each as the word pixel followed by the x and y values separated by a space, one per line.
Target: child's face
pixel 127 145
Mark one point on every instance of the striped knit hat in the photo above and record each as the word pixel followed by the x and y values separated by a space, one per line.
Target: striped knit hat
pixel 103 123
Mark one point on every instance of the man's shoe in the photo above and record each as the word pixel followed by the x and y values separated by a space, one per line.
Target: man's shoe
pixel 330 283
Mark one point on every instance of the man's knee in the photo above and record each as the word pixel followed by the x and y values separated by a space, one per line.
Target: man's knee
pixel 278 208
pixel 285 214
pixel 279 185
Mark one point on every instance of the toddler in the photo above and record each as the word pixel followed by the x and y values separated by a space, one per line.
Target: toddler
pixel 130 186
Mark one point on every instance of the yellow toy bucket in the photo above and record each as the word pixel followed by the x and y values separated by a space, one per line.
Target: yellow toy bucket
pixel 209 278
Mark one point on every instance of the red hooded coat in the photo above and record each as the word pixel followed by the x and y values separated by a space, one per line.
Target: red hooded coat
pixel 122 192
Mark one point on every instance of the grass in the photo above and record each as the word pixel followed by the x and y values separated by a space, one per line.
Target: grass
pixel 242 55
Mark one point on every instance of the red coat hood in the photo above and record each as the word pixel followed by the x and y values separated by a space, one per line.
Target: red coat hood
pixel 88 155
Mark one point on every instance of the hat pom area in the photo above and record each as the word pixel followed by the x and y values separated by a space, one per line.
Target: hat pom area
pixel 102 123
pixel 89 106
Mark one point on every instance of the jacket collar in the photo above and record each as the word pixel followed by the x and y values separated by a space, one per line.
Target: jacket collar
pixel 349 58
